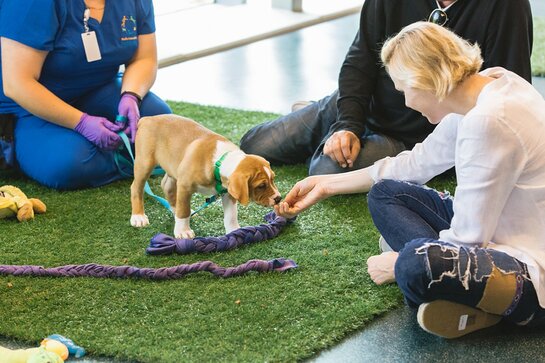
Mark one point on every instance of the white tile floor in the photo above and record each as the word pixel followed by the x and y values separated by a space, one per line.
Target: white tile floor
pixel 203 30
pixel 268 75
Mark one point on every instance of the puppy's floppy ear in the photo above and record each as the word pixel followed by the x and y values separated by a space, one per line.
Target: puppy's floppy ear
pixel 238 187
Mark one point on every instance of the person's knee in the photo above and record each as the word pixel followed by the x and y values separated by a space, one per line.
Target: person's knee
pixel 384 187
pixel 256 143
pixel 251 142
pixel 380 192
pixel 62 174
pixel 78 167
pixel 265 141
pixel 375 197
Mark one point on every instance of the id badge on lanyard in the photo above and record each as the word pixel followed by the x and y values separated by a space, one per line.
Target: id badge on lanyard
pixel 90 42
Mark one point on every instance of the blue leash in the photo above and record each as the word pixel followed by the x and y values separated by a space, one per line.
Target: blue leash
pixel 147 188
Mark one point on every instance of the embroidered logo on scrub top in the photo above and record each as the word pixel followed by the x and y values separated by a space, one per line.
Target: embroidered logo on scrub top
pixel 128 28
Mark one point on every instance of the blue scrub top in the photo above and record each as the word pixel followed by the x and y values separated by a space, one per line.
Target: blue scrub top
pixel 56 26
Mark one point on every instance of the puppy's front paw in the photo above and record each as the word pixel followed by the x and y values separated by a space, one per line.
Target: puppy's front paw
pixel 182 228
pixel 186 233
pixel 139 220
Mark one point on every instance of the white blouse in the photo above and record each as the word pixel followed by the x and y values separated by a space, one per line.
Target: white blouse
pixel 498 149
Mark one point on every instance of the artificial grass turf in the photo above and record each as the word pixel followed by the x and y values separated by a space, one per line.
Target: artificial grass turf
pixel 538 51
pixel 256 317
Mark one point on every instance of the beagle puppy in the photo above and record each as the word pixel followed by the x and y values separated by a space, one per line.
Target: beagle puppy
pixel 189 153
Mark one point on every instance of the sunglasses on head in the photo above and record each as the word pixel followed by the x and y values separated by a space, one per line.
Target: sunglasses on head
pixel 438 16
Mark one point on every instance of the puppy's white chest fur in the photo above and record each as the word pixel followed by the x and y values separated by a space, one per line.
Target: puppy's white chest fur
pixel 233 157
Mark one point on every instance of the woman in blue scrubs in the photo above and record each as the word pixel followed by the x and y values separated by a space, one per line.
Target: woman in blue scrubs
pixel 60 63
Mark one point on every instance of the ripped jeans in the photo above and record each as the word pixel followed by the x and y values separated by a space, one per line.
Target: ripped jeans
pixel 410 217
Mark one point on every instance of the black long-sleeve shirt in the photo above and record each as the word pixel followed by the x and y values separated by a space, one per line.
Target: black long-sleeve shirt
pixel 367 97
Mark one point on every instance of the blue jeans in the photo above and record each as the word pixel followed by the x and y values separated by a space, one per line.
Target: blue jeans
pixel 60 158
pixel 299 137
pixel 410 217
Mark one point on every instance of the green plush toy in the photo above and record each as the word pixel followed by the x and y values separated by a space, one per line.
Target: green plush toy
pixel 13 202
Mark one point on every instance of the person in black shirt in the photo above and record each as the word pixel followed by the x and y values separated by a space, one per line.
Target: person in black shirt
pixel 366 118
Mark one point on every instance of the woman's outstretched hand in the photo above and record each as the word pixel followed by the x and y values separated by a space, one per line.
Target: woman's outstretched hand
pixel 303 195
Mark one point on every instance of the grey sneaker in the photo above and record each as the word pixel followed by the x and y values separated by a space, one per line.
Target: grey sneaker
pixel 452 320
pixel 383 245
pixel 299 105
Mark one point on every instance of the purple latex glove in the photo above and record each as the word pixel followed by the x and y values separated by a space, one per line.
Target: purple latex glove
pixel 99 131
pixel 128 107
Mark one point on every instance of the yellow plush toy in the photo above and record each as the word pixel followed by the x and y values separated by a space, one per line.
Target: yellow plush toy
pixel 31 355
pixel 13 202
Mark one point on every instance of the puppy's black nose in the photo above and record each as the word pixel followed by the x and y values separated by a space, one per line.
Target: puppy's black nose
pixel 277 199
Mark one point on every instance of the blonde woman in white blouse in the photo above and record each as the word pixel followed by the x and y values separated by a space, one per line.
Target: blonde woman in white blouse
pixel 470 261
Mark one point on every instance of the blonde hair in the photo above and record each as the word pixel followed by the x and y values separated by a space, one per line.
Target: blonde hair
pixel 429 57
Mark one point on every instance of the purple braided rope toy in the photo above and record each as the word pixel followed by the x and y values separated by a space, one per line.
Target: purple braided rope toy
pixel 164 273
pixel 162 244
pixel 169 245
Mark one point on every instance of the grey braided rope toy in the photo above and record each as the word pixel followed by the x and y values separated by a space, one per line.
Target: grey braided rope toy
pixel 243 235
